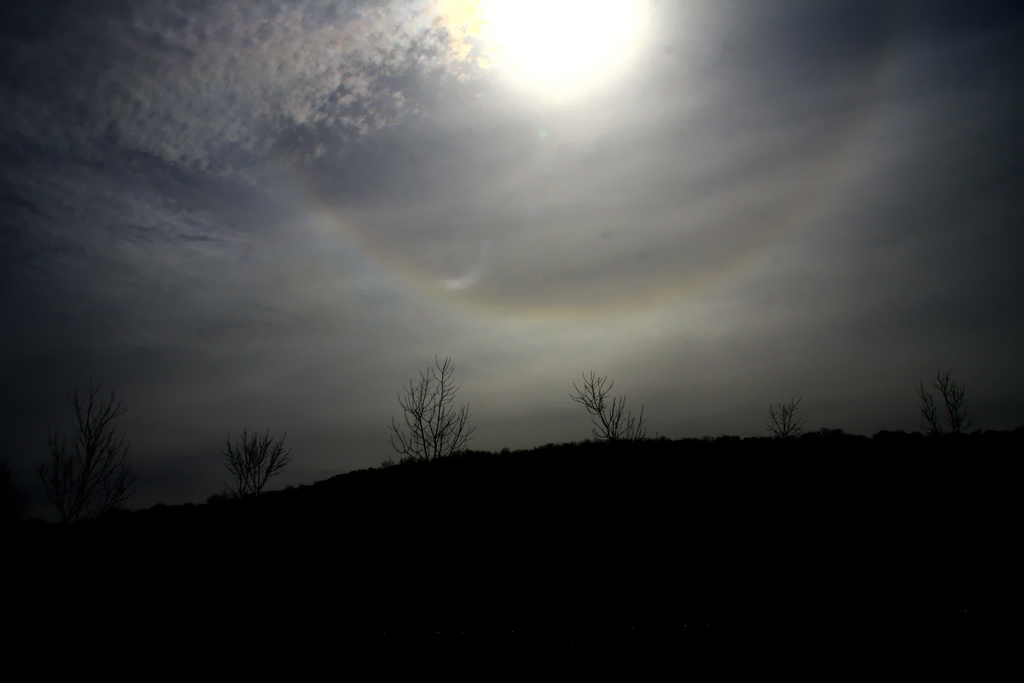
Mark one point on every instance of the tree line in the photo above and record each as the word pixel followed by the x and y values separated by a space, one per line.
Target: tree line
pixel 88 472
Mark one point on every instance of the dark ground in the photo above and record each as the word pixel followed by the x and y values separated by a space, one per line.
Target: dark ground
pixel 733 549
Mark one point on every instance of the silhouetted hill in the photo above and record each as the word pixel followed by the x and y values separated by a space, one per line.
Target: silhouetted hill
pixel 569 543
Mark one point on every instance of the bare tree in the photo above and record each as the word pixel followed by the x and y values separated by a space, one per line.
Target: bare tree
pixel 957 420
pixel 433 427
pixel 611 421
pixel 253 460
pixel 783 421
pixel 89 474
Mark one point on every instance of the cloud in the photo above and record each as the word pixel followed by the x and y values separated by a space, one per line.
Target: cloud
pixel 276 214
pixel 219 86
pixel 572 207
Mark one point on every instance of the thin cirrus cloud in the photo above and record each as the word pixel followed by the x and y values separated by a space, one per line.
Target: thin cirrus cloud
pixel 275 214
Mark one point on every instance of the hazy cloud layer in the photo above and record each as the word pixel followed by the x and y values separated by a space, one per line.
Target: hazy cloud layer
pixel 275 214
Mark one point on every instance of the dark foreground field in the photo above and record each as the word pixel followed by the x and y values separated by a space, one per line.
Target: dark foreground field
pixel 655 547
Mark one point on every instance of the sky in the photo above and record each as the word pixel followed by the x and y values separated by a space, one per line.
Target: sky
pixel 275 214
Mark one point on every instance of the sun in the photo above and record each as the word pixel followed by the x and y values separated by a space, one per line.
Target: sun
pixel 561 50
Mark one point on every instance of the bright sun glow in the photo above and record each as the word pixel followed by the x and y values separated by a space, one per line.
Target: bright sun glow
pixel 560 50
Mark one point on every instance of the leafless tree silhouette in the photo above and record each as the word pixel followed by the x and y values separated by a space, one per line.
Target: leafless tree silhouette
pixel 253 460
pixel 433 427
pixel 611 421
pixel 89 474
pixel 957 420
pixel 783 421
